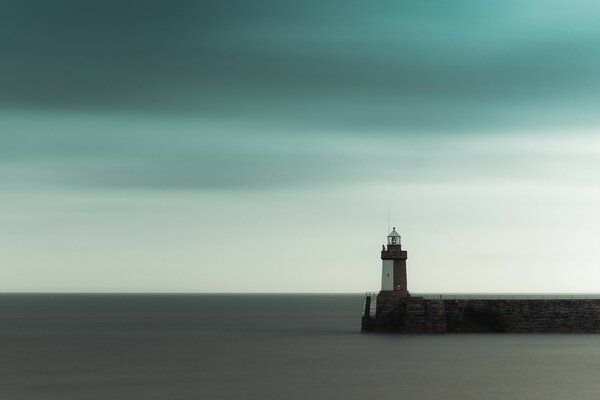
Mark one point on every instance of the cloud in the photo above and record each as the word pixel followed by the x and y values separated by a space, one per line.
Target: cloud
pixel 308 65
pixel 166 153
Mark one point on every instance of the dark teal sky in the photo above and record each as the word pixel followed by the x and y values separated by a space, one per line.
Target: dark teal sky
pixel 135 135
pixel 409 66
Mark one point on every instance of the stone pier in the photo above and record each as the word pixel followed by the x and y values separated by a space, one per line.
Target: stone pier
pixel 413 314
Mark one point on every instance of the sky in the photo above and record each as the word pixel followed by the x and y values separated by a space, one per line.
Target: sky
pixel 257 146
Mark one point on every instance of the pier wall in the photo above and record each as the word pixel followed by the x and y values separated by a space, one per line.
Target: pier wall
pixel 408 314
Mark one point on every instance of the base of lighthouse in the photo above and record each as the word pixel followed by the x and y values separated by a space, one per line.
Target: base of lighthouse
pixel 400 312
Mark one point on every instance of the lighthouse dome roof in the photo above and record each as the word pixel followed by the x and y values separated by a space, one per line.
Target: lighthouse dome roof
pixel 393 233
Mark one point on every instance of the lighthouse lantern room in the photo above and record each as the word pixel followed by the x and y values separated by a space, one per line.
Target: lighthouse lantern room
pixel 393 238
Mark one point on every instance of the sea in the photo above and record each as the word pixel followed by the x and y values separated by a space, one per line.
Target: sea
pixel 187 346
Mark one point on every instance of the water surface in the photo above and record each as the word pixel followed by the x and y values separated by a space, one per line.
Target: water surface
pixel 267 347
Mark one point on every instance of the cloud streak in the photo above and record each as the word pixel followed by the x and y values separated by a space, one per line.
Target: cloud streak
pixel 317 64
pixel 115 152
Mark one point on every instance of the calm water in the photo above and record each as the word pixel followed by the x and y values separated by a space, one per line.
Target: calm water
pixel 267 347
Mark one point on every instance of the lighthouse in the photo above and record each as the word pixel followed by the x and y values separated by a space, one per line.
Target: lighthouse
pixel 393 270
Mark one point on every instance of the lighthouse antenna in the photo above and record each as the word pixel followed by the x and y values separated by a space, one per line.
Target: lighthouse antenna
pixel 388 217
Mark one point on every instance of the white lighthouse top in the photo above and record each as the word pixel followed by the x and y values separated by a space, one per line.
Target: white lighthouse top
pixel 393 237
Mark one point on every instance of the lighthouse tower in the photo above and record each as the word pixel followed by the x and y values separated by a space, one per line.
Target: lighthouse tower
pixel 393 271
